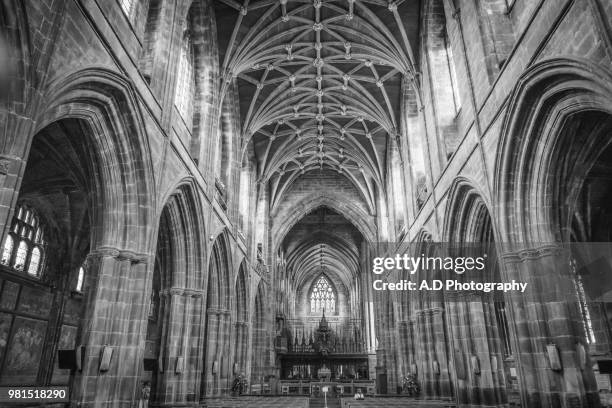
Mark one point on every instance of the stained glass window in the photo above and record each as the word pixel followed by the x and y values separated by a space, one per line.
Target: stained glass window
pixel 29 254
pixel 34 262
pixel 20 258
pixel 185 84
pixel 322 297
pixel 8 250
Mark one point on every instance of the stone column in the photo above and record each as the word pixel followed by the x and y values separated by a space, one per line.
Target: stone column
pixel 212 351
pixel 178 382
pixel 115 320
pixel 441 376
pixel 241 346
pixel 225 352
pixel 547 317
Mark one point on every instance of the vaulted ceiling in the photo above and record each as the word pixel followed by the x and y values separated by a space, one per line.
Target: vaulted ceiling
pixel 319 83
pixel 322 242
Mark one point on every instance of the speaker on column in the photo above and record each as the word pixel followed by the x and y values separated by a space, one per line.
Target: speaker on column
pixel 106 354
pixel 71 359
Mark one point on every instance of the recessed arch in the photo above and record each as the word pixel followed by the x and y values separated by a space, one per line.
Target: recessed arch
pixel 331 200
pixel 465 212
pixel 260 337
pixel 99 99
pixel 559 89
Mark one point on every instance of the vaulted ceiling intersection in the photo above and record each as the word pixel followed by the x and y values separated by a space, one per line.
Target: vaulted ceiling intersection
pixel 319 83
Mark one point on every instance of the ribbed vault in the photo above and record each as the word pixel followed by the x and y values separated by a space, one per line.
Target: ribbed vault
pixel 322 242
pixel 319 83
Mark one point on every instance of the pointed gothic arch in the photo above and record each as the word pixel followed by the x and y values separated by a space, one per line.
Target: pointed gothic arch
pixel 217 360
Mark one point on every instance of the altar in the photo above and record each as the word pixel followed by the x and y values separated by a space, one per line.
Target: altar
pixel 336 388
pixel 324 360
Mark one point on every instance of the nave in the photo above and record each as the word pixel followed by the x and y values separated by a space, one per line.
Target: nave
pixel 194 195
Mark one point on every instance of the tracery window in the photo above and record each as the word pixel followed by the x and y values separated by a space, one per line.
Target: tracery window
pixel 185 82
pixel 322 297
pixel 24 246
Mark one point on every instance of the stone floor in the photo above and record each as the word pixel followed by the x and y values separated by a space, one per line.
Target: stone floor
pixel 254 402
pixel 304 402
pixel 390 402
pixel 320 403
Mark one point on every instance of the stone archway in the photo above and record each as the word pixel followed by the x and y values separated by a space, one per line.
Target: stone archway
pixel 553 135
pixel 259 348
pixel 241 325
pixel 176 290
pixel 217 361
pixel 481 319
pixel 100 162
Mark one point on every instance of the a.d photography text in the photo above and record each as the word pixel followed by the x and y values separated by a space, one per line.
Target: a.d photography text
pixel 451 285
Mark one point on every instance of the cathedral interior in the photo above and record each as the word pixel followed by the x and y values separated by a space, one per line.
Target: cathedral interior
pixel 192 193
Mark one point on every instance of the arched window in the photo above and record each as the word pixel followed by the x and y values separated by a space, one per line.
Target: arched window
pixel 80 278
pixel 29 254
pixel 150 38
pixel 7 252
pixel 20 258
pixel 443 78
pixel 34 262
pixel 185 81
pixel 322 297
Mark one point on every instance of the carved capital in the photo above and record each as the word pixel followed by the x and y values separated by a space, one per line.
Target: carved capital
pixel 183 292
pixel 119 254
pixel 217 311
pixel 533 253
